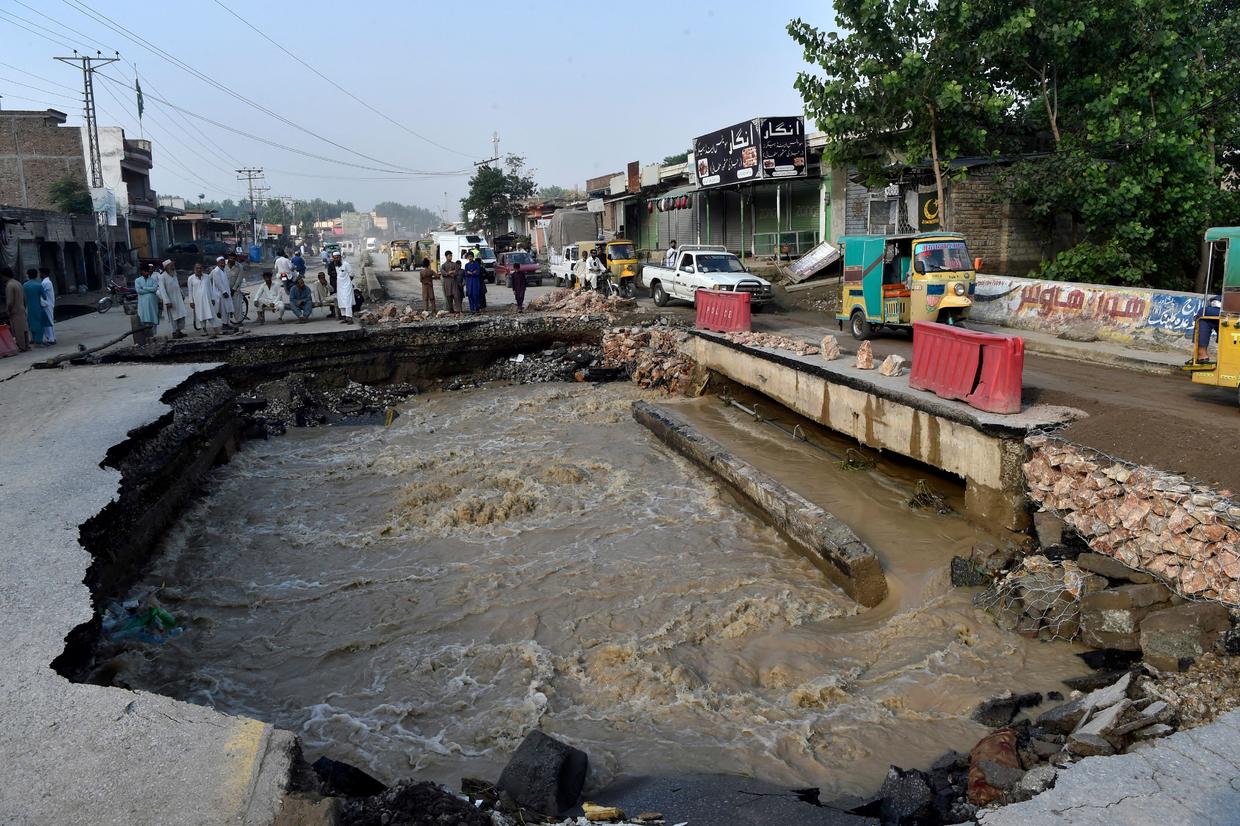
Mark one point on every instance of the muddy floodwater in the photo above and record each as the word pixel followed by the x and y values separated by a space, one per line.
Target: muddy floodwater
pixel 414 599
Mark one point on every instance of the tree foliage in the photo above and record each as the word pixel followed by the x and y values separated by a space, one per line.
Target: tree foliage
pixel 494 193
pixel 679 157
pixel 69 194
pixel 1123 116
pixel 416 220
pixel 552 192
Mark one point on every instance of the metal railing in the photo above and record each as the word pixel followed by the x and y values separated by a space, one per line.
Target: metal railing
pixel 791 244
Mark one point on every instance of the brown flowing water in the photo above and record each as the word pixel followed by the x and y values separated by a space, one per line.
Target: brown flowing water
pixel 415 599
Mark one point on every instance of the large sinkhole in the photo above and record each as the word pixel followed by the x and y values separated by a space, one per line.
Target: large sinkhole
pixel 415 598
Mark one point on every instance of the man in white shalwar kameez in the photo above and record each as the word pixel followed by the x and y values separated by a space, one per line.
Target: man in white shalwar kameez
pixel 172 298
pixel 236 282
pixel 344 288
pixel 49 306
pixel 199 286
pixel 221 295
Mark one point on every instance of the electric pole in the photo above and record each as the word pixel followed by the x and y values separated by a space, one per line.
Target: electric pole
pixel 250 175
pixel 89 65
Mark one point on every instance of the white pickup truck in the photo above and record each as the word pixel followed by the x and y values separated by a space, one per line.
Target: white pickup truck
pixel 701 267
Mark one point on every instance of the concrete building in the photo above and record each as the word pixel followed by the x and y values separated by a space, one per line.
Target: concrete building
pixel 36 150
pixel 127 172
pixel 66 244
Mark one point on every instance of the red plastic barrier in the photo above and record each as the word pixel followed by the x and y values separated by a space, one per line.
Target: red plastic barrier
pixel 981 369
pixel 8 344
pixel 722 311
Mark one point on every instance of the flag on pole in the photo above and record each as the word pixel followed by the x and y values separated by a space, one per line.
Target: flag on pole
pixel 138 88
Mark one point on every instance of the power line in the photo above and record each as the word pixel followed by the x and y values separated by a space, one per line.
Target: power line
pixel 53 41
pixel 103 19
pixel 65 26
pixel 381 114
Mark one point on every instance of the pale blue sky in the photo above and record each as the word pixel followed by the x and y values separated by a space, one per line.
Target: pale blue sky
pixel 577 89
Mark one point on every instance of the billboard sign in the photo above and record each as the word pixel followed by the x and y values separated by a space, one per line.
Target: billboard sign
pixel 762 148
pixel 781 143
pixel 727 156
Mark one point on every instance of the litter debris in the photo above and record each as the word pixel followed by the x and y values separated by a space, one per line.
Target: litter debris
pixel 856 460
pixel 774 342
pixel 924 498
pixel 601 814
pixel 518 358
pixel 140 618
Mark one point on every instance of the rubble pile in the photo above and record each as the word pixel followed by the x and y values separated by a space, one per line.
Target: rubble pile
pixel 581 302
pixel 651 356
pixel 560 362
pixel 303 400
pixel 1039 597
pixel 773 342
pixel 1185 534
pixel 1208 689
pixel 392 313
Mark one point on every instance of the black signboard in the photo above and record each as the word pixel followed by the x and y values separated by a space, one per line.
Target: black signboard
pixel 727 155
pixel 781 144
pixel 928 211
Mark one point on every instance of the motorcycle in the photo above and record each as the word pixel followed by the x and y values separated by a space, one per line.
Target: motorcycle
pixel 117 293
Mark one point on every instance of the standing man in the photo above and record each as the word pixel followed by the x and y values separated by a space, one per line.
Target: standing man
pixel 49 306
pixel 33 290
pixel 199 286
pixel 174 301
pixel 669 260
pixel 235 271
pixel 15 303
pixel 450 272
pixel 301 299
pixel 344 288
pixel 516 280
pixel 269 297
pixel 427 276
pixel 323 295
pixel 147 288
pixel 221 296
pixel 473 283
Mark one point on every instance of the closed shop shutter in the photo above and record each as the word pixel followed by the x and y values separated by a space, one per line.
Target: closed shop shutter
pixel 804 205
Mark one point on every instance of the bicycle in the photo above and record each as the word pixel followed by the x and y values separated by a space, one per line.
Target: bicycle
pixel 228 321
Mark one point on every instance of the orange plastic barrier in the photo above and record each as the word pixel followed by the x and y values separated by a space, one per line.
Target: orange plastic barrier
pixel 981 369
pixel 722 311
pixel 8 344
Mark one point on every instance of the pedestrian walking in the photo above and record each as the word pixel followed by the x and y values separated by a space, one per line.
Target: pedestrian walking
pixel 516 280
pixel 344 288
pixel 450 273
pixel 173 299
pixel 199 287
pixel 15 303
pixel 49 305
pixel 147 288
pixel 301 300
pixel 473 283
pixel 235 271
pixel 323 295
pixel 427 276
pixel 35 315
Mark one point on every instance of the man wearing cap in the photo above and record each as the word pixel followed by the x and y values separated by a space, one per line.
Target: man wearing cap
pixel 236 282
pixel 344 288
pixel 269 297
pixel 220 295
pixel 172 298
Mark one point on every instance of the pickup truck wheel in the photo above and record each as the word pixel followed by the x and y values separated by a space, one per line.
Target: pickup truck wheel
pixel 754 309
pixel 859 327
pixel 660 297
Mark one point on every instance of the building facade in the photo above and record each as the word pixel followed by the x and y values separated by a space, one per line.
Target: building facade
pixel 36 151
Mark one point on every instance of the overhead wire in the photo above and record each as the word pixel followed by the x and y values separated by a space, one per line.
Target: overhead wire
pixel 55 41
pixel 141 42
pixel 340 88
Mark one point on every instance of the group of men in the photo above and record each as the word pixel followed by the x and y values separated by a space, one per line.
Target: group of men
pixel 31 306
pixel 216 300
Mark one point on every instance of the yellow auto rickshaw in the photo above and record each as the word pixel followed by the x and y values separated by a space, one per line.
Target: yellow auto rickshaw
pixel 1220 312
pixel 894 280
pixel 423 250
pixel 400 256
pixel 620 259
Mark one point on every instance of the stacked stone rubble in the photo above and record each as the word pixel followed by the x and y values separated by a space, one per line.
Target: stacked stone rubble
pixel 651 355
pixel 1185 534
pixel 773 342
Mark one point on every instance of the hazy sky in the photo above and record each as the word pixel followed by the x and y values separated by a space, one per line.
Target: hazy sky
pixel 576 89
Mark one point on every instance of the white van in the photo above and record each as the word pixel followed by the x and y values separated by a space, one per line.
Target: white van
pixel 347 248
pixel 460 243
pixel 372 244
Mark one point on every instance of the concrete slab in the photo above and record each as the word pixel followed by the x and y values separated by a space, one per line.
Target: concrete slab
pixel 73 753
pixel 1189 777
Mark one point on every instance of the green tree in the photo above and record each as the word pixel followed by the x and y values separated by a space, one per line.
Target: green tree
pixel 416 220
pixel 494 193
pixel 548 193
pixel 679 157
pixel 68 194
pixel 898 86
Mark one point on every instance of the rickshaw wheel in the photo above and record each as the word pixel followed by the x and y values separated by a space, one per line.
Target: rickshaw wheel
pixel 861 329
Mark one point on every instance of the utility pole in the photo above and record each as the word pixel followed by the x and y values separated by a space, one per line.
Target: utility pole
pixel 250 175
pixel 88 66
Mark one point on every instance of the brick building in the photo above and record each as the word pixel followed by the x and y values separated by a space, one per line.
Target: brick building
pixel 36 150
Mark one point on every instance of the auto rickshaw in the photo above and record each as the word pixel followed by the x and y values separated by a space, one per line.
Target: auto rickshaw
pixel 894 280
pixel 400 256
pixel 423 250
pixel 1222 267
pixel 621 261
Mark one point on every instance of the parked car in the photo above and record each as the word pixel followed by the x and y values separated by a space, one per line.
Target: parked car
pixel 184 256
pixel 510 262
pixel 702 267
